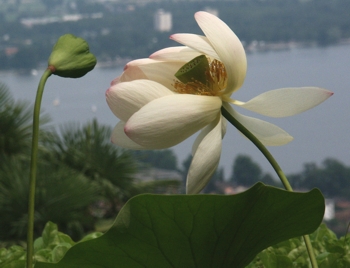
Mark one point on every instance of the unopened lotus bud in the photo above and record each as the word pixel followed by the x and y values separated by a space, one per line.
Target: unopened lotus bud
pixel 71 57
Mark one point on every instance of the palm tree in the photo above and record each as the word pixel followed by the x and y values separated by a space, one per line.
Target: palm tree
pixel 15 124
pixel 62 196
pixel 88 150
pixel 80 173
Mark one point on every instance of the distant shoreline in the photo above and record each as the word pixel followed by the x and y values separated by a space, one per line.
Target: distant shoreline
pixel 252 48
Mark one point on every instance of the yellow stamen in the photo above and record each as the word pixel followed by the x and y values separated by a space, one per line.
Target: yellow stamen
pixel 215 82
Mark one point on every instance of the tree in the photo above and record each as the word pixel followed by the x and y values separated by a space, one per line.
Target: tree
pixel 16 125
pixel 332 178
pixel 268 179
pixel 218 176
pixel 163 159
pixel 245 172
pixel 338 177
pixel 88 150
pixel 63 196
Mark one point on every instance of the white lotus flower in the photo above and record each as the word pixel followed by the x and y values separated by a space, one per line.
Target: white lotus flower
pixel 158 111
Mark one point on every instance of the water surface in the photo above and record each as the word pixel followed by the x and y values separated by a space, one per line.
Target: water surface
pixel 319 133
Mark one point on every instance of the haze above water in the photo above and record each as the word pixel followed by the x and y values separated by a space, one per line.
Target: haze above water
pixel 318 133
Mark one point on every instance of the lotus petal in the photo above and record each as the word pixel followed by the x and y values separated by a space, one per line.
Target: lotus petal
pixel 169 120
pixel 269 134
pixel 124 99
pixel 206 157
pixel 227 46
pixel 119 138
pixel 286 101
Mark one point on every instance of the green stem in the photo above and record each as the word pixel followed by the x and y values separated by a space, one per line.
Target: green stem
pixel 260 146
pixel 33 166
pixel 275 166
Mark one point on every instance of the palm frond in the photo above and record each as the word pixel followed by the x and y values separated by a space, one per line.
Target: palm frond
pixel 15 124
pixel 62 196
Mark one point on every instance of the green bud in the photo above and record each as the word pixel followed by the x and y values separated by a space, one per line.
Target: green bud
pixel 196 69
pixel 71 57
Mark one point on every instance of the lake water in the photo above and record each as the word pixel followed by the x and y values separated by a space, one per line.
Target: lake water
pixel 319 133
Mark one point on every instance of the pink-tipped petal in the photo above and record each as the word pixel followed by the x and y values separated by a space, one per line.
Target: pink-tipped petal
pixel 119 138
pixel 167 121
pixel 287 101
pixel 115 81
pixel 124 99
pixel 227 46
pixel 131 73
pixel 206 158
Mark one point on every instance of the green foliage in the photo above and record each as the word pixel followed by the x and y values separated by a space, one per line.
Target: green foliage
pixel 66 182
pixel 198 230
pixel 81 175
pixel 53 245
pixel 14 257
pixel 245 171
pixel 16 125
pixel 50 247
pixel 88 150
pixel 15 122
pixel 62 195
pixel 330 178
pixel 330 252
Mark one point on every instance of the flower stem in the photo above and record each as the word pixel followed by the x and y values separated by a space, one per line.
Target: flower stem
pixel 33 167
pixel 275 166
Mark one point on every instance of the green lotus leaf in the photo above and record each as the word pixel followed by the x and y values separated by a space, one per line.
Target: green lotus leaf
pixel 198 230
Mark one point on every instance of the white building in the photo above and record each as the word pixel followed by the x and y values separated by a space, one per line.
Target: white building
pixel 330 210
pixel 212 11
pixel 163 21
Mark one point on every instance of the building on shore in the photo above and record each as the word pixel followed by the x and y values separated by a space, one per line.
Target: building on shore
pixel 163 21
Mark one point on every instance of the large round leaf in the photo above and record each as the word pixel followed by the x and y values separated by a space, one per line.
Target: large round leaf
pixel 198 230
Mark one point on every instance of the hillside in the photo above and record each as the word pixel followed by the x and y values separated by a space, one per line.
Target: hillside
pixel 126 30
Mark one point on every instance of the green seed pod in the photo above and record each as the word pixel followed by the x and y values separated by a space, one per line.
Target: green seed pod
pixel 196 69
pixel 71 57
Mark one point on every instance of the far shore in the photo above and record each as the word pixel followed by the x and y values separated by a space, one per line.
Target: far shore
pixel 253 47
